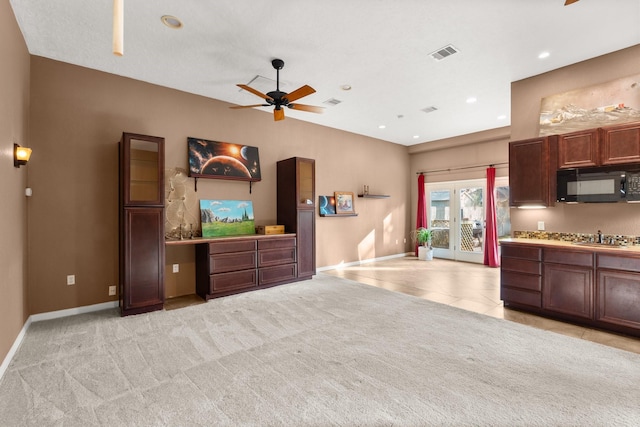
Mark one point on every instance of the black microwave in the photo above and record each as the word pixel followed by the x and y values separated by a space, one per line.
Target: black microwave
pixel 592 185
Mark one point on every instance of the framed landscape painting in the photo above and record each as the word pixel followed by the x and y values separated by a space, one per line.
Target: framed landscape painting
pixel 227 218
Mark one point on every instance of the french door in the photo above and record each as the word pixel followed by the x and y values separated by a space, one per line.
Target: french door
pixel 455 211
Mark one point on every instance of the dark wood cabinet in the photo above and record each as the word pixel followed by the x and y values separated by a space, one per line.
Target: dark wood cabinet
pixel 618 290
pixel 296 209
pixel 598 288
pixel 532 171
pixel 521 276
pixel 568 285
pixel 620 144
pixel 578 149
pixel 141 223
pixel 238 264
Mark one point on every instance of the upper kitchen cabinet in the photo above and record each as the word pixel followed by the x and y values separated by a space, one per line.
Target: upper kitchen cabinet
pixel 578 149
pixel 620 144
pixel 532 171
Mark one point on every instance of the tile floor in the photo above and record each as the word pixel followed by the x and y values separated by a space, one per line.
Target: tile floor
pixel 468 286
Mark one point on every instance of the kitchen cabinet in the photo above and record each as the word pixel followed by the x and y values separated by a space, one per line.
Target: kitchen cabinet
pixel 141 234
pixel 618 290
pixel 532 171
pixel 596 286
pixel 620 144
pixel 296 209
pixel 579 149
pixel 568 285
pixel 521 275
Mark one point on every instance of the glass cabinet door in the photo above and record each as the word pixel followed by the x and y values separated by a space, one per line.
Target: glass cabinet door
pixel 143 170
pixel 306 188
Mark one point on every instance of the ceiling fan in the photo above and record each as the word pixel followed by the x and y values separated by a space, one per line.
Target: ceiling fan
pixel 281 99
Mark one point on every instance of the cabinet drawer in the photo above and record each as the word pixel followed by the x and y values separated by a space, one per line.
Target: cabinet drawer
pixel 234 280
pixel 518 296
pixel 521 265
pixel 276 257
pixel 525 252
pixel 232 246
pixel 232 262
pixel 523 281
pixel 616 262
pixel 558 256
pixel 277 274
pixel 276 243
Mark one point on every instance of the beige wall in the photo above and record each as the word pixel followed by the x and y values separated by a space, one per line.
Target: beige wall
pixel 14 104
pixel 77 117
pixel 526 96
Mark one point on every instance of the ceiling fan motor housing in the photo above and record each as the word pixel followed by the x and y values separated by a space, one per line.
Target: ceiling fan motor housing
pixel 278 64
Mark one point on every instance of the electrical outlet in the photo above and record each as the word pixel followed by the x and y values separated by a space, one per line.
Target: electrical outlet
pixel 176 268
pixel 112 291
pixel 71 279
pixel 405 240
pixel 540 225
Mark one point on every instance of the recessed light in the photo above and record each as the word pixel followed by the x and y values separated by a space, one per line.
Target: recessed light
pixel 345 87
pixel 471 100
pixel 502 117
pixel 171 21
pixel 381 127
pixel 416 136
pixel 544 55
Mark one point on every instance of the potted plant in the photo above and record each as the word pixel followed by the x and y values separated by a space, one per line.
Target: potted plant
pixel 422 236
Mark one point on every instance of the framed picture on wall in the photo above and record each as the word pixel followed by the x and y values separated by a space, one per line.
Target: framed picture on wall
pixel 223 160
pixel 344 202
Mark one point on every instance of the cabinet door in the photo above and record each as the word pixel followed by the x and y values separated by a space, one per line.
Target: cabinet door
pixel 306 183
pixel 532 171
pixel 142 170
pixel 620 144
pixel 578 149
pixel 619 298
pixel 306 243
pixel 143 259
pixel 568 289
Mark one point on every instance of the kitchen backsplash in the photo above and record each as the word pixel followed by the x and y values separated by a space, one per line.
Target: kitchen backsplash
pixel 612 239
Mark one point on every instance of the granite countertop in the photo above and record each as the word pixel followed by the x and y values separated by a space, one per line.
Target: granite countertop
pixel 583 246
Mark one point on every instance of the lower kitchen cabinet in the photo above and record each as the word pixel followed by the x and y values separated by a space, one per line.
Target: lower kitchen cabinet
pixel 568 282
pixel 598 288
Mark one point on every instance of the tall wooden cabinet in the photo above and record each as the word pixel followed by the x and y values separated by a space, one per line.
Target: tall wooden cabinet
pixel 296 209
pixel 141 223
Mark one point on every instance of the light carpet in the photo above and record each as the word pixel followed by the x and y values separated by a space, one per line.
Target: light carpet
pixel 323 352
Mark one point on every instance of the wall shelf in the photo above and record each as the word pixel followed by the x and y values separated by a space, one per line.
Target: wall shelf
pixel 334 215
pixel 374 196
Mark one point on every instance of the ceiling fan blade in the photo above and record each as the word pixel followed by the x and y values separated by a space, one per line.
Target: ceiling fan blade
pixel 255 92
pixel 237 107
pixel 299 93
pixel 310 108
pixel 568 2
pixel 278 114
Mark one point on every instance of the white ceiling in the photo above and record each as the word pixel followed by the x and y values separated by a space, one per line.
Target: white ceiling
pixel 379 47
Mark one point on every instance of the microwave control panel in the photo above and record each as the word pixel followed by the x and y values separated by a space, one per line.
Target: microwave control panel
pixel 633 186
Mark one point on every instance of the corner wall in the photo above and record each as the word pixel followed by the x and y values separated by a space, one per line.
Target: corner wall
pixel 77 117
pixel 14 104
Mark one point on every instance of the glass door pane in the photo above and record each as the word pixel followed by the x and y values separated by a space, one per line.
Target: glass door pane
pixel 471 219
pixel 439 217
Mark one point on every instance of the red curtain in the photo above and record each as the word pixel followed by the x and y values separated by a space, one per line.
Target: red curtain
pixel 421 217
pixel 491 257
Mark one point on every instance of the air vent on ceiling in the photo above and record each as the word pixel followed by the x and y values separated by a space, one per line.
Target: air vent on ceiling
pixel 332 102
pixel 430 109
pixel 442 53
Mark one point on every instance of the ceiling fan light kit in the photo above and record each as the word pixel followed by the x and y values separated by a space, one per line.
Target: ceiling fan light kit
pixel 279 99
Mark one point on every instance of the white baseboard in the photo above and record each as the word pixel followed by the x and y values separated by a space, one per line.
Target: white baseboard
pixel 48 316
pixel 363 261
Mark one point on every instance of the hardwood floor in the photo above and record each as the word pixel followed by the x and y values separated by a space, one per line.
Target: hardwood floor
pixel 468 286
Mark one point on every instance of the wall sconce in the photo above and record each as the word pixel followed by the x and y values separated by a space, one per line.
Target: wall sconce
pixel 21 155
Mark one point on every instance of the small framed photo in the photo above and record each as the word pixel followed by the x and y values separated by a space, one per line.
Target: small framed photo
pixel 344 202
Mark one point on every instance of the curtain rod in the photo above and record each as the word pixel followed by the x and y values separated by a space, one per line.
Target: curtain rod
pixel 464 167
